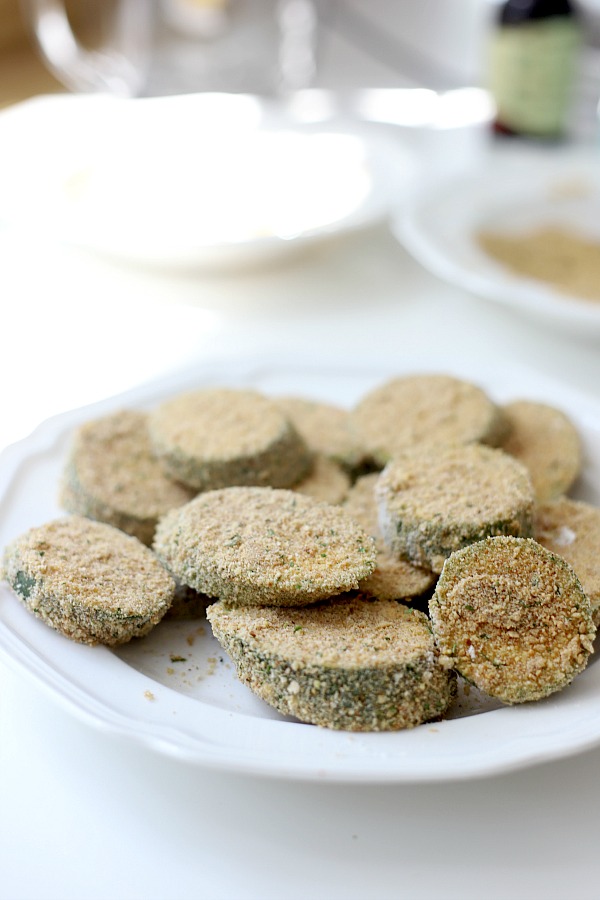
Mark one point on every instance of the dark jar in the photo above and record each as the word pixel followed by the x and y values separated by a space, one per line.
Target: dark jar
pixel 533 58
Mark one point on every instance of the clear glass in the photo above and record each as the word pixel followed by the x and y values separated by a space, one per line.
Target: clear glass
pixel 154 47
pixel 118 59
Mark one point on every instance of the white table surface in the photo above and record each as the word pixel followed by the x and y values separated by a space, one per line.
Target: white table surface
pixel 89 816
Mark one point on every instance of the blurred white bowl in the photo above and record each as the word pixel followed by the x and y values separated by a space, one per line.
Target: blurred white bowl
pixel 515 192
pixel 196 180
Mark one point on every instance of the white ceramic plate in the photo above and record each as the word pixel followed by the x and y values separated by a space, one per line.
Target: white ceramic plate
pixel 196 709
pixel 197 180
pixel 513 192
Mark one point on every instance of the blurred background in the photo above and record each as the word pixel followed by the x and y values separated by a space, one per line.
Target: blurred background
pixel 380 43
pixel 342 63
pixel 200 45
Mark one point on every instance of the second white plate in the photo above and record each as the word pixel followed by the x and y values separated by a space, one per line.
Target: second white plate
pixel 514 191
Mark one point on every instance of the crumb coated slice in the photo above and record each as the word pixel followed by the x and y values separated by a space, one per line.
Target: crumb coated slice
pixel 393 578
pixel 219 437
pixel 571 529
pixel 512 618
pixel 113 476
pixel 264 546
pixel 349 664
pixel 326 481
pixel 326 428
pixel 88 580
pixel 432 503
pixel 546 441
pixel 425 409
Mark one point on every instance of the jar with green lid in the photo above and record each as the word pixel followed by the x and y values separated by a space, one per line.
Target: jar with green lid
pixel 533 60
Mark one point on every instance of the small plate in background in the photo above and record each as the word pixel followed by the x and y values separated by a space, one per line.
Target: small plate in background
pixel 513 193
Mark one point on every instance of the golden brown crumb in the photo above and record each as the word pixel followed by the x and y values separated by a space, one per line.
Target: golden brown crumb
pixel 112 476
pixel 545 440
pixel 571 529
pixel 393 578
pixel 219 437
pixel 264 546
pixel 326 481
pixel 425 409
pixel 88 580
pixel 434 502
pixel 512 618
pixel 564 260
pixel 326 428
pixel 349 664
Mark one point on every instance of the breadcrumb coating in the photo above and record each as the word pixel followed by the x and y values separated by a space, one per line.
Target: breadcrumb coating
pixel 326 481
pixel 90 581
pixel 112 476
pixel 512 618
pixel 326 428
pixel 221 437
pixel 545 440
pixel 563 258
pixel 350 664
pixel 571 529
pixel 425 409
pixel 434 502
pixel 264 546
pixel 393 578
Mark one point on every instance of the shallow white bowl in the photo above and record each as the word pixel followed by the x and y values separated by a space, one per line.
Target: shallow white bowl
pixel 195 180
pixel 513 191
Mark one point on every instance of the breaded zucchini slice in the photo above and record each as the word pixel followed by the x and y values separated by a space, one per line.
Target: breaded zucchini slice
pixel 571 529
pixel 326 481
pixel 437 501
pixel 112 476
pixel 349 664
pixel 88 580
pixel 393 578
pixel 546 441
pixel 327 429
pixel 425 409
pixel 512 618
pixel 219 437
pixel 264 546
